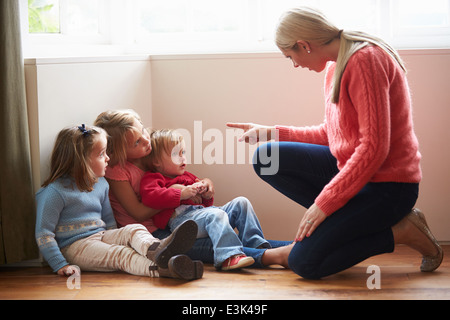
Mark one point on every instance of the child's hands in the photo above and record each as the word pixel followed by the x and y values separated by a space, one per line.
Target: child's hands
pixel 68 270
pixel 198 190
pixel 201 186
pixel 196 199
pixel 188 192
pixel 208 188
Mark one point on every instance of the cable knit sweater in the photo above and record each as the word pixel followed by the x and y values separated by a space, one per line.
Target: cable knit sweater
pixel 369 131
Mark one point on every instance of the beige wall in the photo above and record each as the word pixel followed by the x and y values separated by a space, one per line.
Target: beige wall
pixel 429 81
pixel 177 91
pixel 266 89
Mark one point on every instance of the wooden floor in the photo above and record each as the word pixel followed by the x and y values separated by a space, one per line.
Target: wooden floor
pixel 400 279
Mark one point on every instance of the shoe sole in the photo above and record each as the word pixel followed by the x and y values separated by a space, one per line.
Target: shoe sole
pixel 182 240
pixel 182 267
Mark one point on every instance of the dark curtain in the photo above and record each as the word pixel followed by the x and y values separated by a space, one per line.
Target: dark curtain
pixel 17 206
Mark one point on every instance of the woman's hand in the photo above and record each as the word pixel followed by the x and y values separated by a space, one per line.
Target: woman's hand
pixel 311 220
pixel 68 270
pixel 253 133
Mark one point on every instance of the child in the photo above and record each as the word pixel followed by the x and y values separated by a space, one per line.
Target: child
pixel 128 145
pixel 187 200
pixel 75 224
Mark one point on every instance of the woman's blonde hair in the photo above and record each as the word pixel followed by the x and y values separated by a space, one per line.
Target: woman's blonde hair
pixel 117 123
pixel 311 25
pixel 163 141
pixel 70 156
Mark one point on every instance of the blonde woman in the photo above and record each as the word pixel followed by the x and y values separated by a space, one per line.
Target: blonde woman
pixel 358 172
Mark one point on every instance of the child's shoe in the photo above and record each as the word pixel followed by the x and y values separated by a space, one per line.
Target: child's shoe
pixel 236 262
pixel 180 241
pixel 182 267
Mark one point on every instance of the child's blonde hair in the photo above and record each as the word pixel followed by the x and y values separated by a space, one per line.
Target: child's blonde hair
pixel 117 123
pixel 311 25
pixel 70 156
pixel 163 141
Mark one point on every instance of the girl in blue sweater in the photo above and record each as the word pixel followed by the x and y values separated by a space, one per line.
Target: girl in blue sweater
pixel 75 224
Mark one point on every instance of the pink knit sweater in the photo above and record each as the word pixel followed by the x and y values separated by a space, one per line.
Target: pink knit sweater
pixel 369 131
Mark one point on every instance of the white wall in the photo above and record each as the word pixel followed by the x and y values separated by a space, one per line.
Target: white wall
pixel 176 91
pixel 68 92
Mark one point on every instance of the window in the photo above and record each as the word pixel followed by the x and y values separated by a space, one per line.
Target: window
pixel 171 26
pixel 43 16
pixel 192 23
pixel 414 21
pixel 66 17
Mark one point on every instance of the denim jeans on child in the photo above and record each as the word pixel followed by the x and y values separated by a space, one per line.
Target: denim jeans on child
pixel 218 224
pixel 355 232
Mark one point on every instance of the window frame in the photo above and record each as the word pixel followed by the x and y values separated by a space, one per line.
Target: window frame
pixel 118 32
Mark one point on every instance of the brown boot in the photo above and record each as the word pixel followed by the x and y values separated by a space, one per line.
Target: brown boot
pixel 180 241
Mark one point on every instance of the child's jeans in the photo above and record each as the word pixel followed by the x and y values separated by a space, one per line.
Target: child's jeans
pixel 218 224
pixel 122 249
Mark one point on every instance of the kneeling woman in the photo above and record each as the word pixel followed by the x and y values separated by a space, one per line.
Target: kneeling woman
pixel 358 173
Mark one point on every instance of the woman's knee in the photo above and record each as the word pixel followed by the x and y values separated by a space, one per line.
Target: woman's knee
pixel 301 263
pixel 256 160
pixel 266 159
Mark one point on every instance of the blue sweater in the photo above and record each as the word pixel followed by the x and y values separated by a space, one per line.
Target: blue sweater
pixel 65 215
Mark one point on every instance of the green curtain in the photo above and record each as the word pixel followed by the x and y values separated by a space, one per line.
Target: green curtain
pixel 17 206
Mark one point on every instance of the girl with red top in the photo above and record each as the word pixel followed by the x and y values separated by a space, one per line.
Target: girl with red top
pixel 358 172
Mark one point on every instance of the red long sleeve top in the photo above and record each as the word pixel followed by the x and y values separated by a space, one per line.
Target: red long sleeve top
pixel 156 193
pixel 369 131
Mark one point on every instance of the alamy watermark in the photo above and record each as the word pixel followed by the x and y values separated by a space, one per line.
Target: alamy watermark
pixel 74 280
pixel 212 146
pixel 374 281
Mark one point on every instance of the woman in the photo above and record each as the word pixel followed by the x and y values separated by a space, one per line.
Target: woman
pixel 358 172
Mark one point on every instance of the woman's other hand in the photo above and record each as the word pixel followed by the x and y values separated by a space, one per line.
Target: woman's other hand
pixel 313 217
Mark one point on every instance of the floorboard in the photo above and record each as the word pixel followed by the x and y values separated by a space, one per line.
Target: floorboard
pixel 400 279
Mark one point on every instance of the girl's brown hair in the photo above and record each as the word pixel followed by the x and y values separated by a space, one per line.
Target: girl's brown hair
pixel 117 123
pixel 70 156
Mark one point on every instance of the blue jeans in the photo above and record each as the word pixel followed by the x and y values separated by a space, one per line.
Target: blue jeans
pixel 355 232
pixel 217 239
